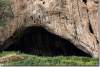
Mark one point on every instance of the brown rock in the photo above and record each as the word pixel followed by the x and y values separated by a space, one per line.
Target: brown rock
pixel 74 20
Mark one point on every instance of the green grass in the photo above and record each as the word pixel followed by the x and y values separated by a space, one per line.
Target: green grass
pixel 34 60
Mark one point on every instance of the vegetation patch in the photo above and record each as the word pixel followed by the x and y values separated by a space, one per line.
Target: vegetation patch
pixel 5 12
pixel 42 60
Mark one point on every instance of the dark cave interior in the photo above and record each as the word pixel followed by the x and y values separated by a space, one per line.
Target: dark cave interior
pixel 38 41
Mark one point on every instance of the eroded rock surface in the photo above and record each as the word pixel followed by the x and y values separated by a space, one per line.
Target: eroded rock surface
pixel 73 20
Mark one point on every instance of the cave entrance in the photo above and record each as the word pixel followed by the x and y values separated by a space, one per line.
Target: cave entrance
pixel 38 41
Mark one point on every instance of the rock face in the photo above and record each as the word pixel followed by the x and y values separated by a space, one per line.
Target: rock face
pixel 73 20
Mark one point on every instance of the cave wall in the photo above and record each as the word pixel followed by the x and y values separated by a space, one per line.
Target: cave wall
pixel 68 19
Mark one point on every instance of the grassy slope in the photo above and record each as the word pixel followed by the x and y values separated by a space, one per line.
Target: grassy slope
pixel 58 60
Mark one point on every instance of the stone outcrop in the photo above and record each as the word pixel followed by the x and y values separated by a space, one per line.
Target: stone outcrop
pixel 73 20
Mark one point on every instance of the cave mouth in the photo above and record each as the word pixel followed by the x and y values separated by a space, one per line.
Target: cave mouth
pixel 38 41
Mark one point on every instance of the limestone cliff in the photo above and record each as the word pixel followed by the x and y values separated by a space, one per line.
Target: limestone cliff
pixel 73 20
